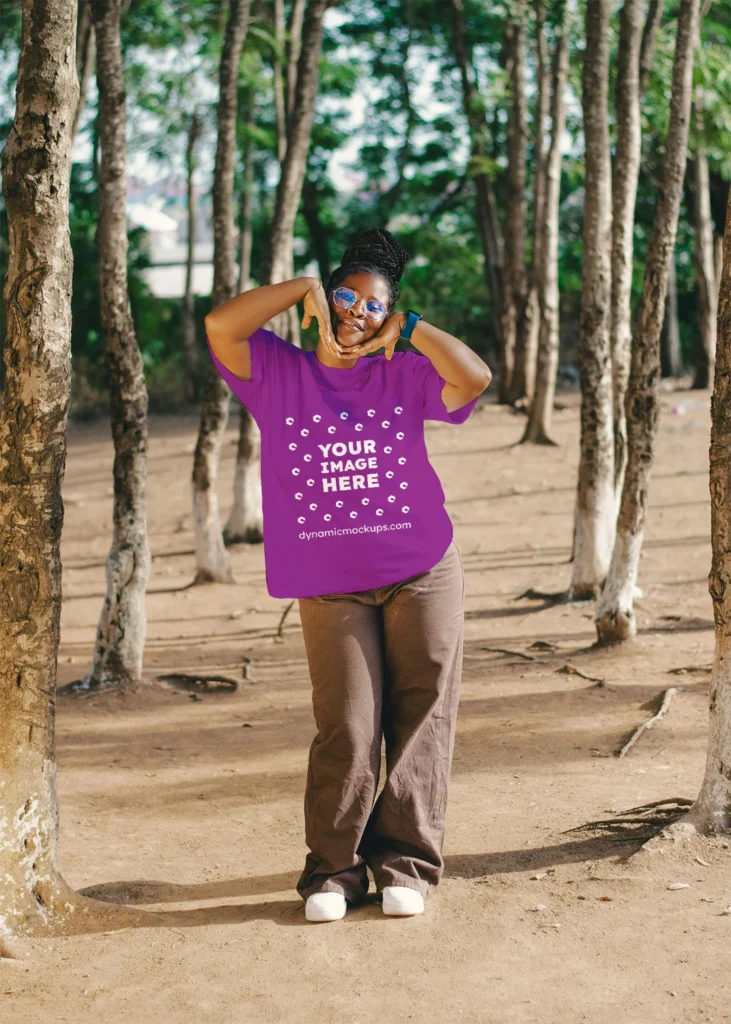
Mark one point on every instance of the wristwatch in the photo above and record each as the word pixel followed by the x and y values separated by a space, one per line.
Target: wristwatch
pixel 410 323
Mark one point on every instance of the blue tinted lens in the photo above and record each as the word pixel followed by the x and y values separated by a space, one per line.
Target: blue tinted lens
pixel 374 309
pixel 344 297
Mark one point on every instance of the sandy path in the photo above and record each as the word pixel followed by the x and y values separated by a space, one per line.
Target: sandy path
pixel 194 807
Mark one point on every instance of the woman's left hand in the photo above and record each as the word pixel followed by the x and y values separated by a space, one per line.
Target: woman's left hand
pixel 385 338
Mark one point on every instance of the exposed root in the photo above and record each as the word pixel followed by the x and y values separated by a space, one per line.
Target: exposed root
pixel 199 683
pixel 638 824
pixel 503 650
pixel 667 696
pixel 569 670
pixel 556 597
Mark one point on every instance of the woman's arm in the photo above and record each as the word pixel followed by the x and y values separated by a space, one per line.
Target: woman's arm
pixel 466 375
pixel 229 325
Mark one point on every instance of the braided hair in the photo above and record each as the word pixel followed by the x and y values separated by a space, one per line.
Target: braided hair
pixel 375 251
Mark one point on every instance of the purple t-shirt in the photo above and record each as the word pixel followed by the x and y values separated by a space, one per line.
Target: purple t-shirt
pixel 350 499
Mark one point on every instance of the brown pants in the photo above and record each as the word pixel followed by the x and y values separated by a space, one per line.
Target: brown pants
pixel 383 662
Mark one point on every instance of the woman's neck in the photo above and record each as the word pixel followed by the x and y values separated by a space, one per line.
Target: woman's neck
pixel 324 356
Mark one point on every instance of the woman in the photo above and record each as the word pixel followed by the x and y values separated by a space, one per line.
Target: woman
pixel 355 528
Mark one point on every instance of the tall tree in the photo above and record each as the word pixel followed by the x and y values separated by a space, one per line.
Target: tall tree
pixel 670 360
pixel 515 278
pixel 488 222
pixel 85 56
pixel 278 259
pixel 538 428
pixel 633 46
pixel 212 562
pixel 245 521
pixel 120 637
pixel 615 615
pixel 711 811
pixel 595 505
pixel 190 343
pixel 524 377
pixel 36 162
pixel 246 199
pixel 705 273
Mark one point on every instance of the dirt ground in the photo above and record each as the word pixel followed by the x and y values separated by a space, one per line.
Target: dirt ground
pixel 193 807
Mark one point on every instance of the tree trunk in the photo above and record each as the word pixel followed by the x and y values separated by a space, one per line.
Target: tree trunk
pixel 212 562
pixel 529 325
pixel 36 164
pixel 279 102
pixel 711 812
pixel 595 506
pixel 85 56
pixel 318 233
pixel 293 48
pixel 705 274
pixel 488 223
pixel 670 359
pixel 247 203
pixel 278 262
pixel 624 194
pixel 245 522
pixel 538 429
pixel 190 342
pixel 515 279
pixel 615 616
pixel 120 637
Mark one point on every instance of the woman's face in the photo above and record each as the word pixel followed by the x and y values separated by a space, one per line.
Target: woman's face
pixel 352 326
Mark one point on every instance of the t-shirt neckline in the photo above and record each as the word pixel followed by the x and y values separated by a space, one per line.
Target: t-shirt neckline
pixel 342 378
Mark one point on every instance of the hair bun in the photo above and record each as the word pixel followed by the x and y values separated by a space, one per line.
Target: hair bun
pixel 379 248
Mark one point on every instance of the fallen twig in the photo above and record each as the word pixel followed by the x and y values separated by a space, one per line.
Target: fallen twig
pixel 503 650
pixel 280 627
pixel 666 698
pixel 569 670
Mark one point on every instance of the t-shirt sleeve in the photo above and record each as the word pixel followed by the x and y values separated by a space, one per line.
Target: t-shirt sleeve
pixel 431 383
pixel 265 352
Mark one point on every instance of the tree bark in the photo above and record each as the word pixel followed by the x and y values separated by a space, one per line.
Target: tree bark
pixel 624 195
pixel 671 364
pixel 615 619
pixel 36 162
pixel 595 506
pixel 515 278
pixel 85 57
pixel 246 203
pixel 212 561
pixel 530 324
pixel 538 429
pixel 317 231
pixel 711 811
pixel 293 48
pixel 705 274
pixel 488 222
pixel 120 637
pixel 279 102
pixel 190 342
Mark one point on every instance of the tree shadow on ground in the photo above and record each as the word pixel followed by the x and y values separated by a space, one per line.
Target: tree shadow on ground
pixel 480 865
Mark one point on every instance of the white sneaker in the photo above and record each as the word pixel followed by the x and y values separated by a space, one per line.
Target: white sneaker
pixel 400 901
pixel 325 906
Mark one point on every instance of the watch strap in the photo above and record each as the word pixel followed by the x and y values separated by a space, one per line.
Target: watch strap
pixel 412 319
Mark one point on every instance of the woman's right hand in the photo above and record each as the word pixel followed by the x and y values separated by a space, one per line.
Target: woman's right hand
pixel 315 304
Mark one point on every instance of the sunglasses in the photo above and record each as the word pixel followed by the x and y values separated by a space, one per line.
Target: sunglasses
pixel 346 297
